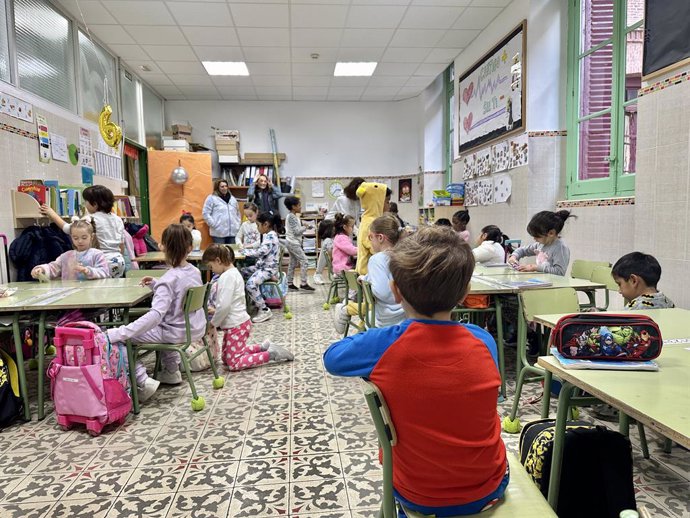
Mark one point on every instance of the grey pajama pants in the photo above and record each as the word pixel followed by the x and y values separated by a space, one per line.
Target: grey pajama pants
pixel 297 256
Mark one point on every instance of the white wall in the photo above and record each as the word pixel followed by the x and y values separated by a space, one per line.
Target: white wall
pixel 319 138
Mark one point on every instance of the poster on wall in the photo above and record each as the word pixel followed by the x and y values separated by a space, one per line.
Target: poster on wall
pixel 518 151
pixel 85 148
pixel 484 164
pixel 485 191
pixel 405 190
pixel 59 147
pixel 503 188
pixel 43 139
pixel 471 192
pixel 492 93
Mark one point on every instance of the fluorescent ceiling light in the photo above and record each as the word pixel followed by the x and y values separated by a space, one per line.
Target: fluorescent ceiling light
pixel 226 68
pixel 354 69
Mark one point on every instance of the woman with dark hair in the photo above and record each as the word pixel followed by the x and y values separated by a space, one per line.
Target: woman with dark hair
pixel 222 214
pixel 347 203
pixel 264 195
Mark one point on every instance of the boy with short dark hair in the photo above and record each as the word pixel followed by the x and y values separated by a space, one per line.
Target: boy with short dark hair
pixel 637 276
pixel 440 379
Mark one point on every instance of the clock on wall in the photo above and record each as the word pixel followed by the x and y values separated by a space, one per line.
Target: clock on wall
pixel 335 189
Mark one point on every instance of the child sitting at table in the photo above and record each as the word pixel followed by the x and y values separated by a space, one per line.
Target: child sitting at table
pixel 248 235
pixel 637 276
pixel 165 321
pixel 82 263
pixel 440 379
pixel 489 249
pixel 460 221
pixel 230 314
pixel 344 251
pixel 552 253
pixel 326 233
pixel 188 221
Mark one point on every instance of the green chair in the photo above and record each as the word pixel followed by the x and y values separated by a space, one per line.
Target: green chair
pixel 195 299
pixel 602 275
pixel 138 274
pixel 368 314
pixel 583 269
pixel 536 302
pixel 337 282
pixel 276 283
pixel 522 497
pixel 354 285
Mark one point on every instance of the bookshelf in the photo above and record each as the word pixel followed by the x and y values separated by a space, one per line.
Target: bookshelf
pixel 127 207
pixel 240 175
pixel 25 209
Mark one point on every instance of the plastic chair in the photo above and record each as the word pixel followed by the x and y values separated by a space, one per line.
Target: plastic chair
pixel 536 302
pixel 337 282
pixel 195 299
pixel 278 282
pixel 583 269
pixel 354 285
pixel 602 275
pixel 369 306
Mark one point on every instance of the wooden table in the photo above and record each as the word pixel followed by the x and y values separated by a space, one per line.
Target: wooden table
pixel 658 400
pixel 159 257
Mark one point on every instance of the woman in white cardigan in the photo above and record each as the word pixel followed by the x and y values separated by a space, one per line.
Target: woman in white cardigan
pixel 489 248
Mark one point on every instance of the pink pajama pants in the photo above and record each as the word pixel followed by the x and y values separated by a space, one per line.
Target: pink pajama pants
pixel 237 355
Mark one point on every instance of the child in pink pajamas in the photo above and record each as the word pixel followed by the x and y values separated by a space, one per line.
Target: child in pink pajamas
pixel 230 314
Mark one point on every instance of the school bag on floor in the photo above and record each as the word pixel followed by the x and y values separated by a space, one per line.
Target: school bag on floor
pixel 88 378
pixel 11 405
pixel 596 474
pixel 272 295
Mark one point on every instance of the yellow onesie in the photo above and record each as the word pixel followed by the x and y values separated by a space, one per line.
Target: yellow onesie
pixel 372 197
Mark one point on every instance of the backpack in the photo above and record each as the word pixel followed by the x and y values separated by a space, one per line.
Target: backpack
pixel 596 474
pixel 89 378
pixel 11 405
pixel 272 294
pixel 623 337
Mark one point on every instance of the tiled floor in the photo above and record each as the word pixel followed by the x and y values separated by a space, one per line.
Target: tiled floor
pixel 280 440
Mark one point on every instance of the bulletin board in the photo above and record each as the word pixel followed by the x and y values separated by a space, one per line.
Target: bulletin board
pixel 491 93
pixel 666 41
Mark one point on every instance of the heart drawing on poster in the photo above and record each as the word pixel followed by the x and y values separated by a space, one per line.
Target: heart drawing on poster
pixel 467 93
pixel 467 123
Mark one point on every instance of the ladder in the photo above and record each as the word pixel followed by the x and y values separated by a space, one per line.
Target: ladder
pixel 276 162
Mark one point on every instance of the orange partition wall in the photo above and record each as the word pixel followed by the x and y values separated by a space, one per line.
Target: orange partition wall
pixel 168 199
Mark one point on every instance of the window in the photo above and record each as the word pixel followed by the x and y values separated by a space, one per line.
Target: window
pixel 131 107
pixel 4 45
pixel 45 53
pixel 449 119
pixel 153 117
pixel 95 64
pixel 604 76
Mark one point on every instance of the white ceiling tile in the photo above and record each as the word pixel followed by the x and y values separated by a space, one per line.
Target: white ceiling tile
pixel 405 55
pixel 303 54
pixel 352 90
pixel 491 3
pixel 232 81
pixel 266 54
pixel 190 79
pixel 147 35
pixel 380 2
pixel 443 3
pixel 328 2
pixel 237 91
pixel 371 54
pixel 315 37
pixel 388 80
pixel 443 55
pixel 179 97
pixel 170 52
pixel 269 69
pixel 416 37
pixel 476 17
pixel 111 34
pixel 264 37
pixel 182 67
pixel 366 37
pixel 201 14
pixel 396 69
pixel 168 90
pixel 273 90
pixel 232 2
pixel 277 80
pixel 310 90
pixel 249 15
pixel 430 69
pixel 383 94
pixel 129 52
pixel 349 82
pixel 135 64
pixel 409 91
pixel 240 97
pixel 224 36
pixel 375 17
pixel 420 81
pixel 219 53
pixel 199 91
pixel 298 81
pixel 318 16
pixel 156 79
pixel 274 97
pixel 430 17
pixel 313 69
pixel 93 11
pixel 132 12
pixel 308 97
pixel 344 94
pixel 457 38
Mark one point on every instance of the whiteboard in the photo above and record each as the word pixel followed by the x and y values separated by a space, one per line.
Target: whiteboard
pixel 491 93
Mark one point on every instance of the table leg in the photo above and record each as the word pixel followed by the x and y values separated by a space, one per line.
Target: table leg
pixel 546 396
pixel 23 389
pixel 623 423
pixel 559 442
pixel 521 338
pixel 41 363
pixel 500 344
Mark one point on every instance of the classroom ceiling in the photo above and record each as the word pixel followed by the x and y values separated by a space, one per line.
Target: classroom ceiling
pixel 413 41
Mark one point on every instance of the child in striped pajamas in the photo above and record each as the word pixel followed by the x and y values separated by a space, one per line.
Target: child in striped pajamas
pixel 293 238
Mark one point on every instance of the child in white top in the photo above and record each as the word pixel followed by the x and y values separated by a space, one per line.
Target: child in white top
pixel 248 236
pixel 188 221
pixel 460 221
pixel 110 231
pixel 79 264
pixel 489 248
pixel 165 321
pixel 293 238
pixel 230 314
pixel 326 234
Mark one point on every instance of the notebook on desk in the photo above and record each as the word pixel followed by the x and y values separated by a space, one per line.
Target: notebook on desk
pixel 567 363
pixel 527 283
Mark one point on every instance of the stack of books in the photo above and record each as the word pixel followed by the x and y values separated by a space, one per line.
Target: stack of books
pixel 66 200
pixel 126 207
pixel 228 146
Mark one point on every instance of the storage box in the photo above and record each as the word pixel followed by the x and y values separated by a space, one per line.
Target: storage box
pixel 441 197
pixel 229 135
pixel 181 132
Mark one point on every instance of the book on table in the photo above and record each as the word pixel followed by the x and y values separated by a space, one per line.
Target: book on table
pixel 568 363
pixel 527 283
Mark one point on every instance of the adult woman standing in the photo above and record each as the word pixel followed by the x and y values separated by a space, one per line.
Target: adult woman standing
pixel 222 214
pixel 264 194
pixel 347 203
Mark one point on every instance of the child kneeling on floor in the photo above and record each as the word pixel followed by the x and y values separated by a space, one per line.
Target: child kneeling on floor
pixel 439 378
pixel 230 314
pixel 165 321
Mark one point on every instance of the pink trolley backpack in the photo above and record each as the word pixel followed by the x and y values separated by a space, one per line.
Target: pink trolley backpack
pixel 88 378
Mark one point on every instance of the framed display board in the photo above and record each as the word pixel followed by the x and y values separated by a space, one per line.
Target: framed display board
pixel 666 41
pixel 491 94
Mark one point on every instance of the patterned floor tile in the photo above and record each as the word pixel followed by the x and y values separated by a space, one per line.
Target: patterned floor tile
pixel 20 461
pixel 313 443
pixel 279 424
pixel 218 450
pixel 86 508
pixel 673 497
pixel 120 457
pixel 261 447
pixel 340 513
pixel 160 454
pixel 209 476
pixel 255 501
pixel 372 512
pixel 150 506
pixel 364 492
pixel 25 510
pixel 271 470
pixel 65 460
pixel 315 467
pixel 361 464
pixel 318 495
pixel 42 487
pixel 154 479
pixel 7 485
pixel 200 504
pixel 98 484
pixel 362 438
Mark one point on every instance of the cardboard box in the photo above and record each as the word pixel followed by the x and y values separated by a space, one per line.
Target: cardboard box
pixel 230 135
pixel 229 159
pixel 265 157
pixel 181 132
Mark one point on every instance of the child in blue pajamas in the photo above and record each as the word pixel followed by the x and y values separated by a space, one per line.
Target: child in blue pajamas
pixel 266 266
